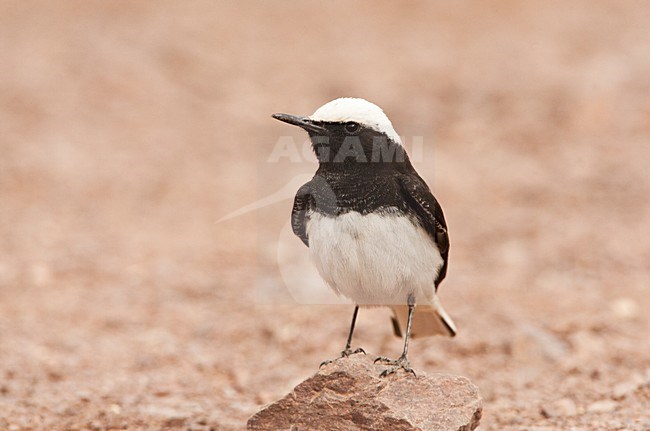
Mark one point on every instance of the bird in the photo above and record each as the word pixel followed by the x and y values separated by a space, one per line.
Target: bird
pixel 375 232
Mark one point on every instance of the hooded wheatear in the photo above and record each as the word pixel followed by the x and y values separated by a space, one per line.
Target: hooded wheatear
pixel 375 232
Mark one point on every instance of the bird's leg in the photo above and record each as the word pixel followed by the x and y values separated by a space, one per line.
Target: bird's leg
pixel 348 351
pixel 402 362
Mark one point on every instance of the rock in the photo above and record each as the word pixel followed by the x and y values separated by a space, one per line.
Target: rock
pixel 625 308
pixel 559 408
pixel 603 406
pixel 171 417
pixel 348 394
pixel 624 389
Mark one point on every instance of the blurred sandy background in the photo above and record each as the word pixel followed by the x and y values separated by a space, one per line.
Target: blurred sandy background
pixel 127 128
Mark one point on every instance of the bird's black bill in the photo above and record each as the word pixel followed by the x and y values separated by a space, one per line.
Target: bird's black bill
pixel 303 122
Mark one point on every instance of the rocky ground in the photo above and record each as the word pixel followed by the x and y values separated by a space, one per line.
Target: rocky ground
pixel 129 128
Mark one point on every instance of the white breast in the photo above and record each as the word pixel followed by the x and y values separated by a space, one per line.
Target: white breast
pixel 375 258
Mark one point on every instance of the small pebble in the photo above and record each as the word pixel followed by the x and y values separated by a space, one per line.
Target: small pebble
pixel 116 409
pixel 603 406
pixel 559 408
pixel 624 389
pixel 625 308
pixel 83 395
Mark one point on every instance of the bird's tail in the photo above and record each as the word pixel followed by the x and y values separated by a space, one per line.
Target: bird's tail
pixel 428 320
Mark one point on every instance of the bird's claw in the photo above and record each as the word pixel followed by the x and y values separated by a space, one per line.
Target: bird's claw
pixel 326 362
pixel 391 370
pixel 344 354
pixel 401 363
pixel 347 352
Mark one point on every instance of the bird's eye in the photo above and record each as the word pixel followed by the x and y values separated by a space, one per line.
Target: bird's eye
pixel 351 127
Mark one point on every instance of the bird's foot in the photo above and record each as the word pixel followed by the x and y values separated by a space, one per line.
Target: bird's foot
pixel 344 354
pixel 395 364
pixel 347 352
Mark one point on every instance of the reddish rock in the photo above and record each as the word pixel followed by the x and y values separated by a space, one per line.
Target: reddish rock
pixel 348 394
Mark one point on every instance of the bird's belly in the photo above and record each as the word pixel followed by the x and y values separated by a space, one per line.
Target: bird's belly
pixel 375 258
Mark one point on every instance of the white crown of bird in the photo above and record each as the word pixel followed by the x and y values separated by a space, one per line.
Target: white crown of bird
pixel 358 110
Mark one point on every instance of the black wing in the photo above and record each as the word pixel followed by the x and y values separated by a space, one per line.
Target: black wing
pixel 299 212
pixel 429 213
